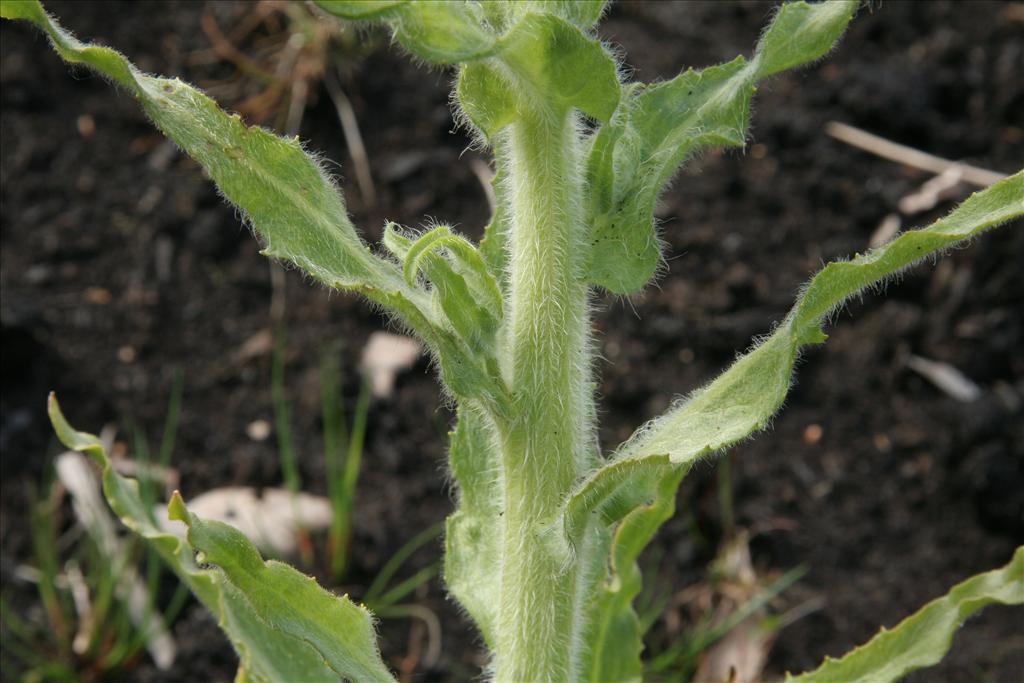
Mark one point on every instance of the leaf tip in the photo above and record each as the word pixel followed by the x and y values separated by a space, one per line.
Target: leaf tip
pixel 176 510
pixel 815 335
pixel 20 9
pixel 57 419
pixel 68 435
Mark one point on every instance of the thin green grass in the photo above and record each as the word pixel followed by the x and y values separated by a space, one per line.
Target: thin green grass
pixel 97 638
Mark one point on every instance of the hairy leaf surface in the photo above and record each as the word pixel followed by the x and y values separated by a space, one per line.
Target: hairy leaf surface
pixel 464 291
pixel 286 197
pixel 633 490
pixel 744 398
pixel 543 64
pixel 582 13
pixel 923 639
pixel 361 9
pixel 613 631
pixel 494 245
pixel 444 31
pixel 659 126
pixel 473 532
pixel 283 191
pixel 439 31
pixel 283 626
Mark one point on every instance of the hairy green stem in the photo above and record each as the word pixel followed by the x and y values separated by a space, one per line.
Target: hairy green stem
pixel 545 444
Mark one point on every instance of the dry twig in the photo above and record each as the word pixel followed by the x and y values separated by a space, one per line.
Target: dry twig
pixel 353 138
pixel 887 149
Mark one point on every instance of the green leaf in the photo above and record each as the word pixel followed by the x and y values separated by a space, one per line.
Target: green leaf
pixel 466 374
pixel 800 33
pixel 612 492
pixel 583 13
pixel 361 9
pixel 283 626
pixel 635 488
pixel 457 31
pixel 558 61
pixel 545 63
pixel 284 194
pixel 445 31
pixel 744 398
pixel 439 31
pixel 605 525
pixel 614 633
pixel 473 532
pixel 465 260
pixel 282 191
pixel 922 640
pixel 486 98
pixel 666 123
pixel 289 602
pixel 657 127
pixel 474 323
pixel 463 290
pixel 495 244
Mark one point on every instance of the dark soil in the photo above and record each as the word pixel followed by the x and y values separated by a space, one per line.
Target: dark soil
pixel 120 265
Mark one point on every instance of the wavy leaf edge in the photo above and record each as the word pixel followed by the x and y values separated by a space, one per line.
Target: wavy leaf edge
pixel 886 658
pixel 252 631
pixel 715 416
